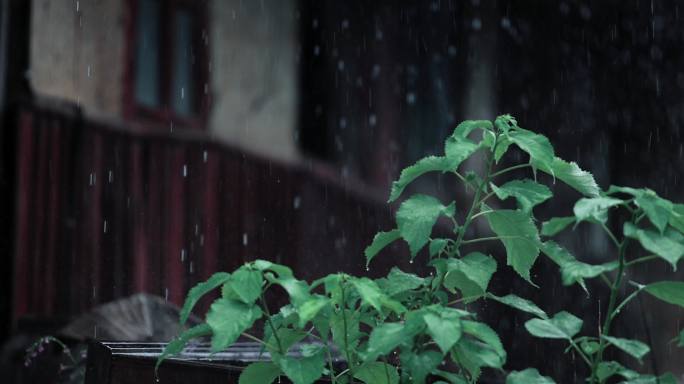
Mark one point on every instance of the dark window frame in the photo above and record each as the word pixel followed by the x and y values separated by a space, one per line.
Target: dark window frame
pixel 164 114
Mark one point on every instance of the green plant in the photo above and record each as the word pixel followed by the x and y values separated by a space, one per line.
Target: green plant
pixel 407 328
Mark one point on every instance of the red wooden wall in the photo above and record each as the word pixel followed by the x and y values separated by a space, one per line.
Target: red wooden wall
pixel 104 211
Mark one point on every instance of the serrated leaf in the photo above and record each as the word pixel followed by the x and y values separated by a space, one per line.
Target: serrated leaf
pixel 421 167
pixel 453 378
pixel 246 283
pixel 398 281
pixel 416 217
pixel 521 304
pixel 572 270
pixel 199 290
pixel 680 343
pixel 528 376
pixel 635 348
pixel 345 337
pixel 470 275
pixel 668 291
pixel 555 225
pixel 595 208
pixel 298 290
pixel 537 146
pixel 466 127
pixel 589 347
pixel 176 345
pixel 501 148
pixel 437 246
pixel 310 308
pixel 385 338
pixel 419 365
pixel 444 326
pixel 487 335
pixel 606 369
pixel 528 193
pixel 371 294
pixel 228 319
pixel 669 245
pixel 262 372
pixel 303 370
pixel 380 241
pixel 505 123
pixel 287 337
pixel 570 174
pixel 563 325
pixel 473 355
pixel 265 265
pixel 457 149
pixel 520 238
pixel 677 217
pixel 377 373
pixel 657 209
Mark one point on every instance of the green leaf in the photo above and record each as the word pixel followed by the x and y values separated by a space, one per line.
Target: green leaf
pixel 265 265
pixel 677 217
pixel 501 148
pixel 561 326
pixel 635 348
pixel 372 295
pixel 505 123
pixel 528 376
pixel 680 343
pixel 606 369
pixel 380 241
pixel 199 290
pixel 537 146
pixel 453 378
pixel 669 246
pixel 350 338
pixel 572 270
pixel 385 338
pixel 520 238
pixel 287 336
pixel 555 225
pixel 398 281
pixel 473 355
pixel 521 304
pixel 377 373
pixel 246 283
pixel 303 370
pixel 457 149
pixel 444 326
pixel 595 208
pixel 310 308
pixel 421 167
pixel 419 365
pixel 657 209
pixel 298 290
pixel 466 127
pixel 589 347
pixel 570 174
pixel 176 346
pixel 668 291
pixel 262 372
pixel 528 193
pixel 470 275
pixel 487 335
pixel 416 217
pixel 228 319
pixel 437 246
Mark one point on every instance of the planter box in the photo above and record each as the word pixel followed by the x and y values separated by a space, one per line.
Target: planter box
pixel 129 363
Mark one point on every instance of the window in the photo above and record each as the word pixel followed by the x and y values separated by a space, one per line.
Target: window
pixel 167 62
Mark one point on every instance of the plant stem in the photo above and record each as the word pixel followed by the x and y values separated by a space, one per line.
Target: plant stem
pixel 476 200
pixel 346 333
pixel 641 260
pixel 270 323
pixel 491 238
pixel 610 314
pixel 579 351
pixel 509 169
pixel 610 234
pixel 482 212
pixel 258 340
pixel 628 299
